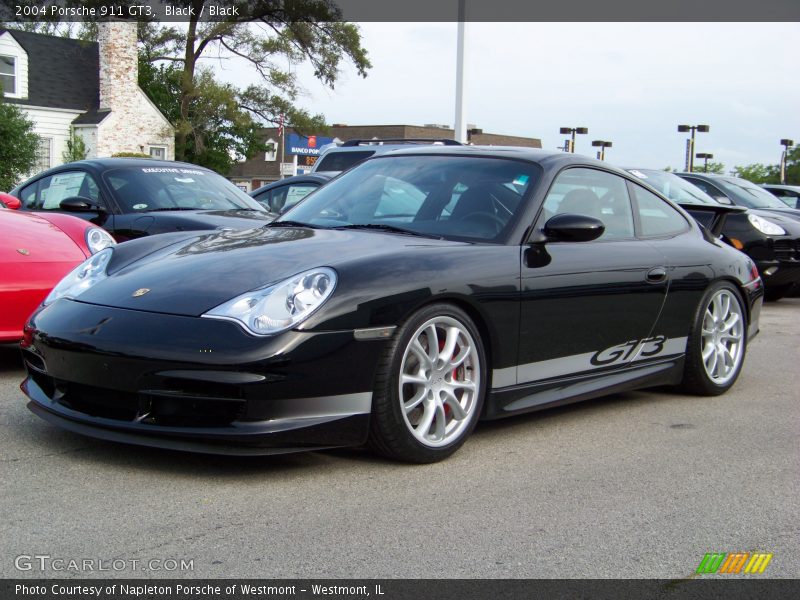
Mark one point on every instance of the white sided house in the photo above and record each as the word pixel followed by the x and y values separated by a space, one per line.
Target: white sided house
pixel 61 83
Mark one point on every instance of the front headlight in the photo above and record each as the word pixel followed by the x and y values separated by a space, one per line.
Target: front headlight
pixel 82 277
pixel 279 307
pixel 765 226
pixel 98 239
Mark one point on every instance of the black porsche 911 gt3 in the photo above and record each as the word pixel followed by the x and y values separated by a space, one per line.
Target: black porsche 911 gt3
pixel 396 306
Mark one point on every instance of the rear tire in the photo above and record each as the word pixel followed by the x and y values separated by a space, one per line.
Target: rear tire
pixel 717 342
pixel 429 386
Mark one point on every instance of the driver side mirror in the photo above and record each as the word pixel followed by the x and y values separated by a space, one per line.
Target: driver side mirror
pixel 79 204
pixel 569 227
pixel 10 201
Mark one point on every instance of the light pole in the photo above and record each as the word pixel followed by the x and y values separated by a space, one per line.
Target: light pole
pixel 786 145
pixel 690 142
pixel 706 157
pixel 573 131
pixel 460 133
pixel 602 144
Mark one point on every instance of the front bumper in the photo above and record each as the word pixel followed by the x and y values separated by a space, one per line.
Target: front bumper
pixel 196 384
pixel 775 273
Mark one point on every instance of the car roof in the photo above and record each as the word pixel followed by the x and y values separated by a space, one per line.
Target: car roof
pixel 781 186
pixel 115 162
pixel 547 158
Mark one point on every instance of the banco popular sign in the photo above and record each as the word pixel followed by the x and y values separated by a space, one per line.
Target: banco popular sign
pixel 305 146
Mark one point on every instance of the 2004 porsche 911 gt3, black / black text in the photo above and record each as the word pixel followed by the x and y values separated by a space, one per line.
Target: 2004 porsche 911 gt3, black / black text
pixel 396 306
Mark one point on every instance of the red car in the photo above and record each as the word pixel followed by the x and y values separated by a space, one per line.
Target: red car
pixel 36 251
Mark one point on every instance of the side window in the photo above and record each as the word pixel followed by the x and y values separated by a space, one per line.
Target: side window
pixel 657 218
pixel 596 194
pixel 57 187
pixel 293 194
pixel 28 196
pixel 709 189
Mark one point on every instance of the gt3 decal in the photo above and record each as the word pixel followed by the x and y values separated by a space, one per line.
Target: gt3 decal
pixel 633 351
pixel 651 346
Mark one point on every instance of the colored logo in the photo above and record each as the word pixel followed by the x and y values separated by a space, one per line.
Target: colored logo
pixel 734 563
pixel 140 292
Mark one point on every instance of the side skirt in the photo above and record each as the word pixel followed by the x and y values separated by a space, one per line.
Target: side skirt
pixel 505 402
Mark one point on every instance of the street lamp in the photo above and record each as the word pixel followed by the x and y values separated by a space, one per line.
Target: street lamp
pixel 602 144
pixel 573 131
pixel 786 145
pixel 690 142
pixel 706 157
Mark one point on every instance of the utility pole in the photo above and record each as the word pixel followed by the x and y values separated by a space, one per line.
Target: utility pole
pixel 461 117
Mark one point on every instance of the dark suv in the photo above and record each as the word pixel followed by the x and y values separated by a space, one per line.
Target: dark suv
pixel 336 158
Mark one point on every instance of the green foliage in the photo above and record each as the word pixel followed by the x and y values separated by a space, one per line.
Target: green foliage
pixel 18 145
pixel 130 155
pixel 76 147
pixel 713 167
pixel 758 173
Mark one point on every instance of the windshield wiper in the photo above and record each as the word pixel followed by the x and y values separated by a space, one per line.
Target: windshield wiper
pixel 290 224
pixel 173 208
pixel 388 228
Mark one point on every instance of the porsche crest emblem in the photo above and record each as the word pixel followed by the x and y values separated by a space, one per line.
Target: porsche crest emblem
pixel 23 251
pixel 140 292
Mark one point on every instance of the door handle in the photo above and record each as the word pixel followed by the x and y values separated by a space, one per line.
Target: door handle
pixel 656 275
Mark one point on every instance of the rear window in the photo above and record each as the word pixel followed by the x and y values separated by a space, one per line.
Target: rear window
pixel 341 161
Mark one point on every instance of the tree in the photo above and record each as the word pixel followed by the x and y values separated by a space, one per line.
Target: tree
pixel 216 123
pixel 273 38
pixel 713 167
pixel 18 147
pixel 758 173
pixel 76 147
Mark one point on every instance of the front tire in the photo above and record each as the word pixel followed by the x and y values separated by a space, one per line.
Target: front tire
pixel 429 387
pixel 717 342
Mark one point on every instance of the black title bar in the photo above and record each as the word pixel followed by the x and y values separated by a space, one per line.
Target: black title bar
pixel 409 10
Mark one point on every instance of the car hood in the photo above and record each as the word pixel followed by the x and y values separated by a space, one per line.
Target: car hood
pixel 788 213
pixel 28 237
pixel 191 274
pixel 790 222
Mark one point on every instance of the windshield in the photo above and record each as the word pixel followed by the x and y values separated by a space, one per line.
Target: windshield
pixel 341 161
pixel 673 187
pixel 141 189
pixel 749 194
pixel 452 197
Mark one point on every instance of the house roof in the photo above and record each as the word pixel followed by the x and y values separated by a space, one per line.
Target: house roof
pixel 62 72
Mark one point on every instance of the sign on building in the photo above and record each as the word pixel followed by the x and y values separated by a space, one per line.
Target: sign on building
pixel 305 145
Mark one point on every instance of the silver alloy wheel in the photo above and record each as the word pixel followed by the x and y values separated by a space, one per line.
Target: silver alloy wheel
pixel 439 381
pixel 722 337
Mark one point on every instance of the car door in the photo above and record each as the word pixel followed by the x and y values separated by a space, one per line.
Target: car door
pixel 588 306
pixel 47 193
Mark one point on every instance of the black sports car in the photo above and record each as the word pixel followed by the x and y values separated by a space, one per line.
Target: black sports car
pixel 135 197
pixel 397 305
pixel 770 238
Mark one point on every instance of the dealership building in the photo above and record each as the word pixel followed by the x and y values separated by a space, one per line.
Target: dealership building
pixel 300 152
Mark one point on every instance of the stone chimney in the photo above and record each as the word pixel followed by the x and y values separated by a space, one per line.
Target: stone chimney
pixel 119 69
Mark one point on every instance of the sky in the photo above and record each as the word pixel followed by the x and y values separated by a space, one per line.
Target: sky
pixel 629 83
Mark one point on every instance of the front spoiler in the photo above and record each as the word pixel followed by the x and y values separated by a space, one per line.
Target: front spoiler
pixel 276 436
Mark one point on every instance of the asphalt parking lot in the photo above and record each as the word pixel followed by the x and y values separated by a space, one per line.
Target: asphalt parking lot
pixel 635 485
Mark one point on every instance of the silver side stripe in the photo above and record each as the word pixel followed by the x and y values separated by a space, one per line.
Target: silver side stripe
pixel 321 406
pixel 641 350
